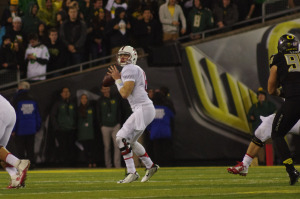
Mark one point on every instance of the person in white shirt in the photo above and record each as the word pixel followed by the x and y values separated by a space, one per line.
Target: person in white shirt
pixel 132 85
pixel 16 168
pixel 37 56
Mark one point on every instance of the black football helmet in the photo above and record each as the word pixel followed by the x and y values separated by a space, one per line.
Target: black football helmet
pixel 288 43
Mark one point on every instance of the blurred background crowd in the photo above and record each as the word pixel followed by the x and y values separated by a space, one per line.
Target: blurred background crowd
pixel 39 36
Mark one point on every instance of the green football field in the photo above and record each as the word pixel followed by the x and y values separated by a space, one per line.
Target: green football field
pixel 175 182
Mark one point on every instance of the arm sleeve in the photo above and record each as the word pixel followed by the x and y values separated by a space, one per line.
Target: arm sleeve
pixel 129 74
pixel 182 17
pixel 81 41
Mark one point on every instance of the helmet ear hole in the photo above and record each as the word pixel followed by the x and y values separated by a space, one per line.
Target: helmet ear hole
pixel 288 43
pixel 132 55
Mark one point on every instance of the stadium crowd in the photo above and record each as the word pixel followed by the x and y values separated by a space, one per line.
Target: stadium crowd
pixel 39 36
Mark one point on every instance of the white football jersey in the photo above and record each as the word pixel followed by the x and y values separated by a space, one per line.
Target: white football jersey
pixel 34 68
pixel 139 96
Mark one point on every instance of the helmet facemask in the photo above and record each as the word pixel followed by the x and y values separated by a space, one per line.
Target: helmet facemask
pixel 288 43
pixel 127 50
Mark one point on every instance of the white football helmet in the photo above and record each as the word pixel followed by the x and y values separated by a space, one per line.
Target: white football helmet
pixel 128 50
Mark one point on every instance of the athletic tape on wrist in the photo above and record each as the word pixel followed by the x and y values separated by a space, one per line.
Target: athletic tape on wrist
pixel 119 84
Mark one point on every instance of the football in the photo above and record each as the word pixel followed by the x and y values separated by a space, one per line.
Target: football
pixel 108 81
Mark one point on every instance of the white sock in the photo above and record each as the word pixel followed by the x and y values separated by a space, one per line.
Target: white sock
pixel 11 171
pixel 12 160
pixel 247 160
pixel 128 158
pixel 146 160
pixel 140 151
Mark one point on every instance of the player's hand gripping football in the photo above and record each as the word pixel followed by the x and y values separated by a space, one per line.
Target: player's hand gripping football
pixel 114 72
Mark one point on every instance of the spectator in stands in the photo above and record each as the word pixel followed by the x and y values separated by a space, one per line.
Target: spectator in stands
pixel 73 35
pixel 30 20
pixel 161 130
pixel 86 9
pixel 97 40
pixel 65 5
pixel 243 8
pixel 57 52
pixel 199 19
pixel 154 7
pixel 255 9
pixel 135 11
pixel 15 32
pixel 166 92
pixel 11 60
pixel 43 33
pixel 25 5
pixel 112 6
pixel 226 14
pixel 169 15
pixel 148 31
pixel 9 13
pixel 37 58
pixel 28 122
pixel 262 108
pixel 61 16
pixel 117 30
pixel 109 119
pixel 48 10
pixel 97 6
pixel 8 57
pixel 63 118
pixel 86 120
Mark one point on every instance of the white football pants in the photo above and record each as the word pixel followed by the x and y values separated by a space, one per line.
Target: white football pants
pixel 7 120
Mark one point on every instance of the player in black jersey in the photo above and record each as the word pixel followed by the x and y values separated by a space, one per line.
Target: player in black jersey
pixel 285 72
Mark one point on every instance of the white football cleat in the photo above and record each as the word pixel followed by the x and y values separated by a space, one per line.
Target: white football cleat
pixel 150 172
pixel 15 182
pixel 130 177
pixel 23 168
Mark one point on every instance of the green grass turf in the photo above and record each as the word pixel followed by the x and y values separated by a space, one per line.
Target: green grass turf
pixel 177 182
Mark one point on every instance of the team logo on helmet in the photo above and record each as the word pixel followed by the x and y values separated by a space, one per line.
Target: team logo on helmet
pixel 288 43
pixel 127 50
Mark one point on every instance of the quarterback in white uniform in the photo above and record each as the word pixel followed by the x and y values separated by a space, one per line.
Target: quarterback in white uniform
pixel 132 85
pixel 262 134
pixel 16 168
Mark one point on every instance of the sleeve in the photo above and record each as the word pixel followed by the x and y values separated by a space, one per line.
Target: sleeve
pixel 62 34
pixel 250 113
pixel 129 74
pixel 218 12
pixel 182 17
pixel 44 56
pixel 81 41
pixel 276 60
pixel 26 53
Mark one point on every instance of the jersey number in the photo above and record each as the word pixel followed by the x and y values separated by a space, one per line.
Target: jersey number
pixel 293 61
pixel 145 80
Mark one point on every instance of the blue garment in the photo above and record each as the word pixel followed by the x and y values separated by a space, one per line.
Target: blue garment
pixel 28 116
pixel 2 33
pixel 161 125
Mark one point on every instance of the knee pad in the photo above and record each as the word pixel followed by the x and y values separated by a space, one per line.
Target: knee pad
pixel 125 147
pixel 257 141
